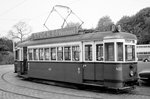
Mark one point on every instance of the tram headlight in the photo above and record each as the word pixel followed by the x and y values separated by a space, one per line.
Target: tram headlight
pixel 131 73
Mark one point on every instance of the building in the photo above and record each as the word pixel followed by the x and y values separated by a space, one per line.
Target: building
pixel 143 52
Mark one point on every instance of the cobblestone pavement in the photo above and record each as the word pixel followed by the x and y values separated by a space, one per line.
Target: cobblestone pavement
pixel 13 87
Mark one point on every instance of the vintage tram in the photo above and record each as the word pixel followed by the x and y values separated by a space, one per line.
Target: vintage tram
pixel 80 56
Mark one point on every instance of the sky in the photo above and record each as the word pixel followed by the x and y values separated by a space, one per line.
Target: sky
pixel 35 12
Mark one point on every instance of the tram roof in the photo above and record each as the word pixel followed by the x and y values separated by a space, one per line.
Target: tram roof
pixel 95 36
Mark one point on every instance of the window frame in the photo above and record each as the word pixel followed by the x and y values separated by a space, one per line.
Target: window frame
pixel 20 54
pixel 117 51
pixel 114 50
pixel 51 54
pixel 62 53
pixel 135 52
pixel 102 57
pixel 28 57
pixel 79 52
pixel 37 54
pixel 68 53
pixel 133 59
pixel 41 54
pixel 93 51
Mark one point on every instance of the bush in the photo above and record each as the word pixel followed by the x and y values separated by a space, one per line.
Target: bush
pixel 6 58
pixel 10 58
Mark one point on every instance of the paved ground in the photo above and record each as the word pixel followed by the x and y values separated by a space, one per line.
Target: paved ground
pixel 13 87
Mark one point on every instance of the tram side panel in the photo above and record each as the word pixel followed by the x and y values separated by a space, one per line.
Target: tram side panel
pixel 18 67
pixel 73 72
pixel 45 70
pixel 58 71
pixel 113 75
pixel 120 75
pixel 99 73
pixel 88 71
pixel 93 72
pixel 130 75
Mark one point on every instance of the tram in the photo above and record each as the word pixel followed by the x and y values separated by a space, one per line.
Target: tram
pixel 82 57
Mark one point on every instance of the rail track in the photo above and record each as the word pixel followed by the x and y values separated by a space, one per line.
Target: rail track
pixel 94 92
pixel 40 90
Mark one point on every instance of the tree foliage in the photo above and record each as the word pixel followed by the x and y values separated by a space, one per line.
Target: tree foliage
pixel 6 45
pixel 6 51
pixel 104 24
pixel 20 31
pixel 138 24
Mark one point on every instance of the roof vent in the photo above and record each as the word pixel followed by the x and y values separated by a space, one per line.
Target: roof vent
pixel 116 29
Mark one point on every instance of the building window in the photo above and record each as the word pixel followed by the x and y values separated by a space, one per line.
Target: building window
pixel 75 53
pixel 109 52
pixel 30 52
pixel 99 52
pixel 46 54
pixel 35 54
pixel 59 53
pixel 88 52
pixel 53 53
pixel 130 52
pixel 67 53
pixel 119 51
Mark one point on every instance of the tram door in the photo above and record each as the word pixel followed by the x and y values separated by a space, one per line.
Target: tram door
pixel 88 65
pixel 24 66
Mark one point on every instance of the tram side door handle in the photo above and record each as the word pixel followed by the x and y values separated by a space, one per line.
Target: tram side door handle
pixel 84 65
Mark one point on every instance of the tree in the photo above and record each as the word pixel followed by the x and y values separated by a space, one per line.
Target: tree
pixel 104 24
pixel 138 24
pixel 125 23
pixel 6 51
pixel 6 45
pixel 20 31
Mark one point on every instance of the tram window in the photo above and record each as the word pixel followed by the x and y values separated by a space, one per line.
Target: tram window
pixel 75 53
pixel 46 54
pixel 109 51
pixel 53 53
pixel 67 53
pixel 99 52
pixel 119 51
pixel 30 54
pixel 59 53
pixel 17 54
pixel 41 54
pixel 35 54
pixel 88 52
pixel 130 52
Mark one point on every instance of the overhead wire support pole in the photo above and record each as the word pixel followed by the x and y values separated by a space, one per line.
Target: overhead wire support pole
pixel 78 18
pixel 61 16
pixel 48 18
pixel 64 19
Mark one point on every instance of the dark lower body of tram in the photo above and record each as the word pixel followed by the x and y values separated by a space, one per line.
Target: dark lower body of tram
pixel 110 75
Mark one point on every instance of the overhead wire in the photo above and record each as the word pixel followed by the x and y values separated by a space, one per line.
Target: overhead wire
pixel 12 8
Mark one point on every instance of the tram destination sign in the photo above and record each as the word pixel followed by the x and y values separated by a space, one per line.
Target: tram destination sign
pixel 55 33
